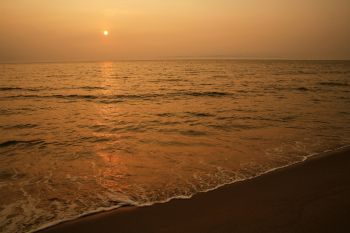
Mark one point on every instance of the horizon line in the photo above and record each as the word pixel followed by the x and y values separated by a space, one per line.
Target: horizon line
pixel 172 59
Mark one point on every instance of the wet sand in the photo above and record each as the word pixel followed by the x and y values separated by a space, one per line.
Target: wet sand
pixel 313 196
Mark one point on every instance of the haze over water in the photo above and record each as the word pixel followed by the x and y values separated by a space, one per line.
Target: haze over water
pixel 81 137
pixel 65 30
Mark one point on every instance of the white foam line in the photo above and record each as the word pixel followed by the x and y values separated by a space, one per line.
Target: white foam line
pixel 98 210
pixel 180 197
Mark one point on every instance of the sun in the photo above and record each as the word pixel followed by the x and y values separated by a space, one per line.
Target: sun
pixel 105 32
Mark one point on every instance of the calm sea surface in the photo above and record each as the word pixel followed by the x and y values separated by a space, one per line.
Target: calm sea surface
pixel 83 137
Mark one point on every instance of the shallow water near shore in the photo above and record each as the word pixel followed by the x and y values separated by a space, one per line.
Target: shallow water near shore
pixel 82 137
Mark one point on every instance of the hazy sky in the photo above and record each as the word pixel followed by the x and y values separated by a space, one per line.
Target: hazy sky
pixel 71 30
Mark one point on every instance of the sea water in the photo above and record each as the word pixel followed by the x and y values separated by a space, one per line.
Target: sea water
pixel 77 138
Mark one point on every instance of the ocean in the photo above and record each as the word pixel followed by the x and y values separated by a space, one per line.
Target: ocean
pixel 79 138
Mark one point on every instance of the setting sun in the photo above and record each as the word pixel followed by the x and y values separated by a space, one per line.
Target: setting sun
pixel 105 32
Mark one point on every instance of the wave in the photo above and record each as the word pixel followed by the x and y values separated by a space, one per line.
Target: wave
pixel 99 210
pixel 295 72
pixel 91 88
pixel 20 142
pixel 10 88
pixel 189 196
pixel 200 114
pixel 301 89
pixel 282 88
pixel 209 93
pixel 32 89
pixel 166 114
pixel 193 133
pixel 107 98
pixel 37 89
pixel 20 126
pixel 334 84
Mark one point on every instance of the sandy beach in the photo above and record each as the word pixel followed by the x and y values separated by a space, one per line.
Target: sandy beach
pixel 312 196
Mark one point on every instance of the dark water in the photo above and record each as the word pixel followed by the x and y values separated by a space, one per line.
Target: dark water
pixel 83 137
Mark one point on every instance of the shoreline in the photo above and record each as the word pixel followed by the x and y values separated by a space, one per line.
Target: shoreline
pixel 175 215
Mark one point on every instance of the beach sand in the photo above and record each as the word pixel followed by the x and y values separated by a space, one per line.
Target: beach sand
pixel 312 196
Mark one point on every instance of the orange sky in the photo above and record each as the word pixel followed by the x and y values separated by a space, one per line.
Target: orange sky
pixel 72 30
